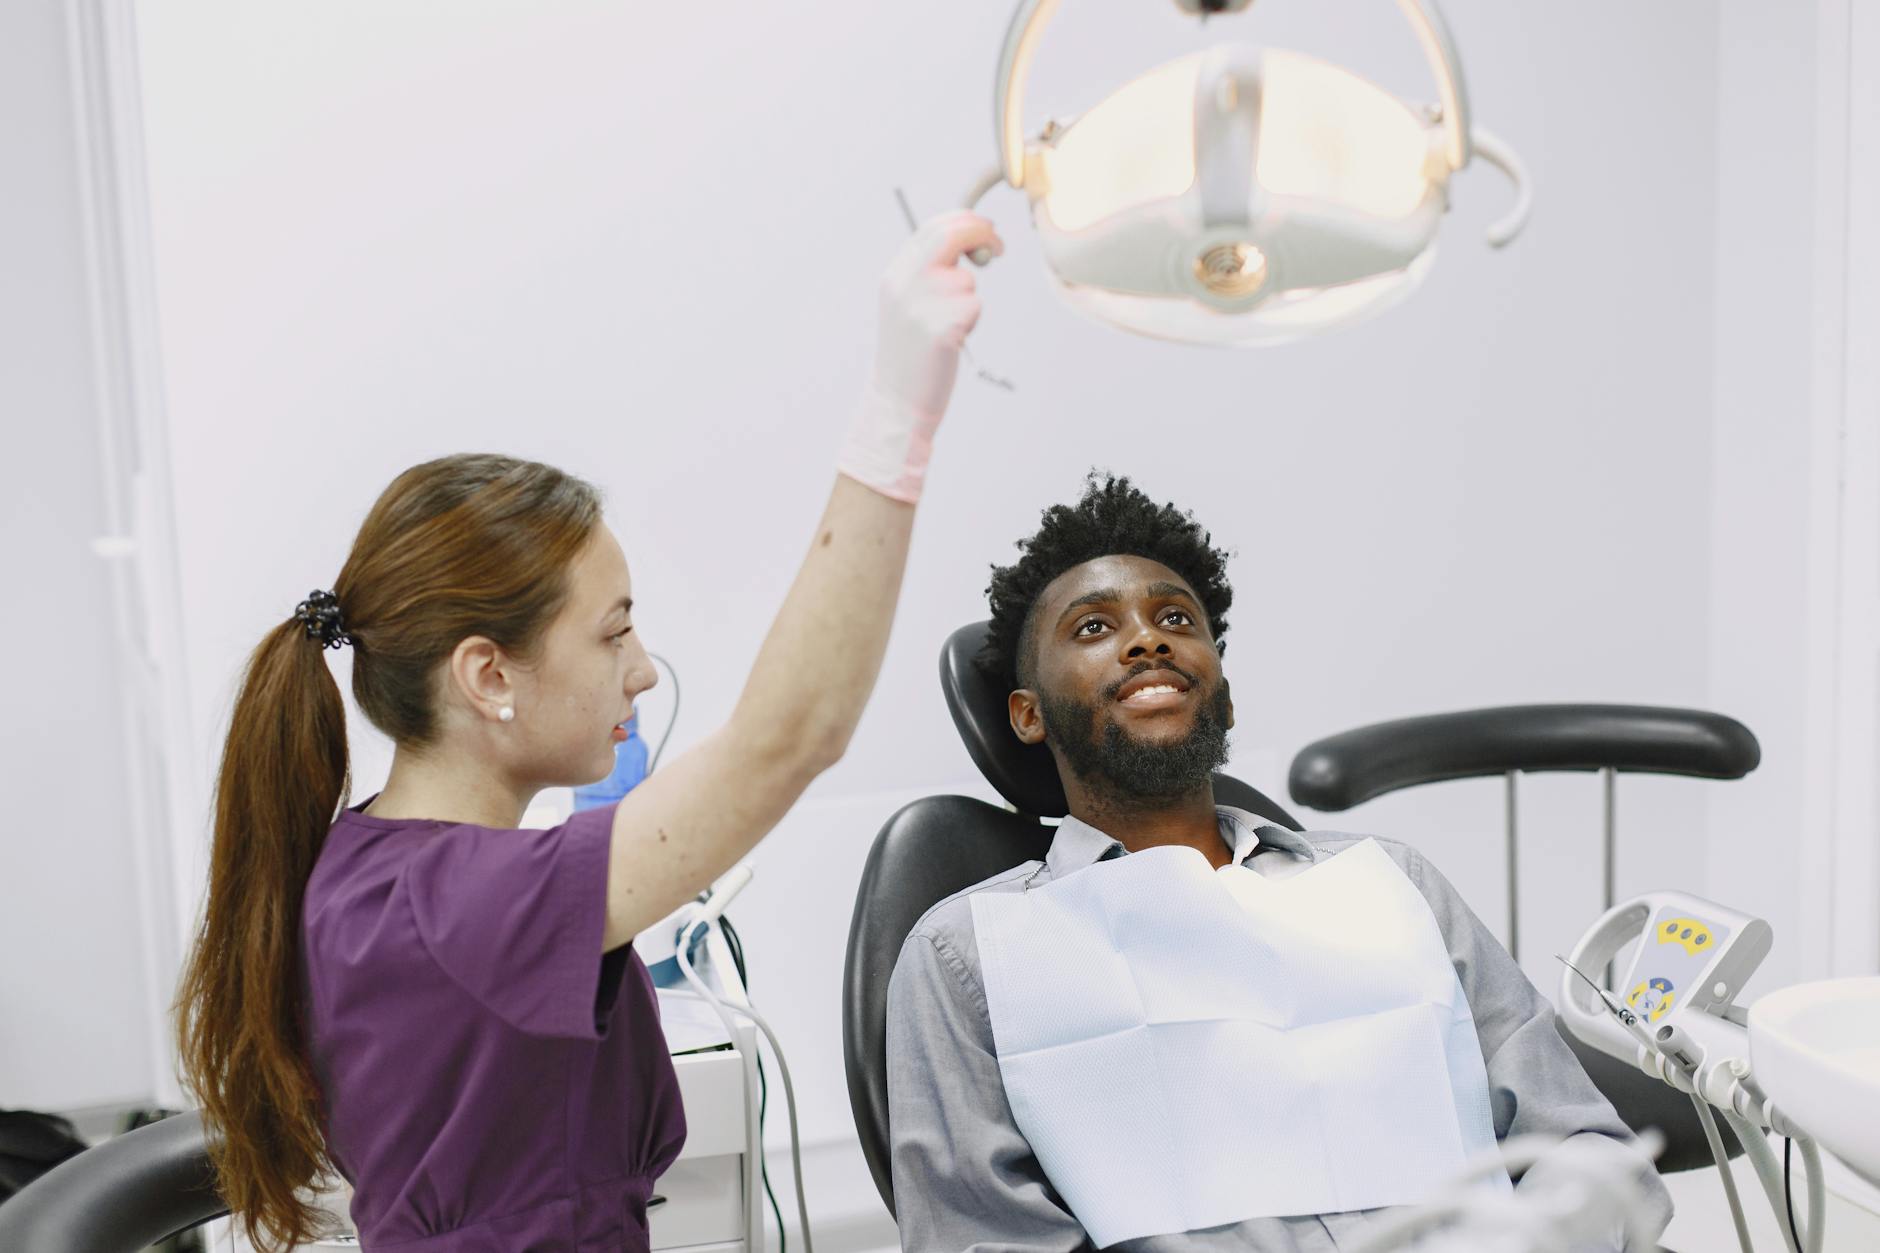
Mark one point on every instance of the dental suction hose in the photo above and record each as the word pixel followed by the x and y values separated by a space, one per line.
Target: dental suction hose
pixel 1703 1055
pixel 705 915
pixel 729 885
pixel 1813 1240
pixel 1717 1075
pixel 1769 1172
pixel 1674 1056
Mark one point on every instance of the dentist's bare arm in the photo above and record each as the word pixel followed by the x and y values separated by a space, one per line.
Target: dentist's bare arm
pixel 693 819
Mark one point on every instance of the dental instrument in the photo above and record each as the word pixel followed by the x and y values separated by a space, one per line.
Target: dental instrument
pixel 1671 1043
pixel 707 914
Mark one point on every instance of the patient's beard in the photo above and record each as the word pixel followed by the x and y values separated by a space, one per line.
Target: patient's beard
pixel 1128 770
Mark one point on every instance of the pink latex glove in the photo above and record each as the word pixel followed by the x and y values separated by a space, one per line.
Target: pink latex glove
pixel 928 306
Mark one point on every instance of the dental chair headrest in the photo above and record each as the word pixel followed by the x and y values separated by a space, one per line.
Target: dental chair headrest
pixel 1025 774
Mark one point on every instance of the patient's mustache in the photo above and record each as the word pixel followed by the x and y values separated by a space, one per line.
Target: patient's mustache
pixel 1143 667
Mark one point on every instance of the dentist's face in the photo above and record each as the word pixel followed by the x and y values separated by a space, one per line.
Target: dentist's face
pixel 1127 685
pixel 591 669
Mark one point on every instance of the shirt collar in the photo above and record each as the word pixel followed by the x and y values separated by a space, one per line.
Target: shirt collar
pixel 1078 844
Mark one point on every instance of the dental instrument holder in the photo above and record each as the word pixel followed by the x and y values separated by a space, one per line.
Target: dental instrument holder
pixel 659 944
pixel 1685 1029
pixel 1692 960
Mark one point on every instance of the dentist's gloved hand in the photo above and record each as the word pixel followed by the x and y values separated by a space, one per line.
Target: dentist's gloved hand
pixel 928 307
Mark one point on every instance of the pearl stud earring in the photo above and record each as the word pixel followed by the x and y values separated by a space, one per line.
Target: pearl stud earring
pixel 506 714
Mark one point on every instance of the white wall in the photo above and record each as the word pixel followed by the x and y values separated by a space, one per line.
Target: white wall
pixel 76 1022
pixel 1793 550
pixel 642 243
pixel 1760 517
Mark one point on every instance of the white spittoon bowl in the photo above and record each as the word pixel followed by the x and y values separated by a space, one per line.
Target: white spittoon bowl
pixel 1815 1049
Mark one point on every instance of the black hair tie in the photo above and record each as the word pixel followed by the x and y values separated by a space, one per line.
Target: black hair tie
pixel 319 613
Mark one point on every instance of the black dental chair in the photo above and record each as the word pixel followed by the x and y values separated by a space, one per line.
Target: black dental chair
pixel 942 844
pixel 121 1196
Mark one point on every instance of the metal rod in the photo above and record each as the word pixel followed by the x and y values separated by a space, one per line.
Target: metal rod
pixel 1514 878
pixel 1610 778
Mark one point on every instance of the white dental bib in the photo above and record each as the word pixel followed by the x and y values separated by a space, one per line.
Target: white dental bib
pixel 1187 1048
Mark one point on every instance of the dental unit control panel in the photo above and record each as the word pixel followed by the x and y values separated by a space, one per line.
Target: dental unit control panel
pixel 1692 955
pixel 1674 1015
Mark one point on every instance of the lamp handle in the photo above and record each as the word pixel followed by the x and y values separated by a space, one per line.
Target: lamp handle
pixel 977 192
pixel 1502 231
pixel 1032 16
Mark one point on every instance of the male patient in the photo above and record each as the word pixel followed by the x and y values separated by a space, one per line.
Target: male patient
pixel 1169 1035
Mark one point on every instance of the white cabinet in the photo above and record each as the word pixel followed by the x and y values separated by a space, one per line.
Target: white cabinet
pixel 711 1197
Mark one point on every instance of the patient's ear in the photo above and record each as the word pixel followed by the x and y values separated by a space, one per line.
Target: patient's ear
pixel 1027 721
pixel 1220 648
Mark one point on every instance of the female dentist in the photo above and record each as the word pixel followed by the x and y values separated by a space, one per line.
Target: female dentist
pixel 447 1009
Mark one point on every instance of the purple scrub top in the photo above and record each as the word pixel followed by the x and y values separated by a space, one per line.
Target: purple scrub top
pixel 492 1080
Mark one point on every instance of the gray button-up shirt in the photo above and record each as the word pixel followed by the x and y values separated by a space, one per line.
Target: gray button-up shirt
pixel 966 1179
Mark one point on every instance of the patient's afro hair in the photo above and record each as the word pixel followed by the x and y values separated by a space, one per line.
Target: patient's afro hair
pixel 1113 518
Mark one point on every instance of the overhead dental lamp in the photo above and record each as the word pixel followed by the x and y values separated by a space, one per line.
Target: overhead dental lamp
pixel 1242 195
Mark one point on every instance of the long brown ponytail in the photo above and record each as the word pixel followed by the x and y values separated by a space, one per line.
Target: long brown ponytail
pixel 465 545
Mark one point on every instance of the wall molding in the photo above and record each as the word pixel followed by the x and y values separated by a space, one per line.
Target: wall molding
pixel 139 546
pixel 1840 841
pixel 1856 936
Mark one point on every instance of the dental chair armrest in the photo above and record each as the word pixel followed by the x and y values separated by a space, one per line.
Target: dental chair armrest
pixel 127 1193
pixel 1355 766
